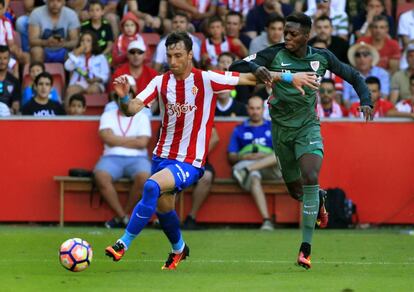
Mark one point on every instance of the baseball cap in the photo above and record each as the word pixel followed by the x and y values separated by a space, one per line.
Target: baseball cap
pixel 137 44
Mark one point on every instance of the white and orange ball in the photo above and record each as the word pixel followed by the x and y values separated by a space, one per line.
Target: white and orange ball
pixel 75 254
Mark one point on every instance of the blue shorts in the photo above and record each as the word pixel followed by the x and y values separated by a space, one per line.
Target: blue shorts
pixel 185 174
pixel 55 55
pixel 123 166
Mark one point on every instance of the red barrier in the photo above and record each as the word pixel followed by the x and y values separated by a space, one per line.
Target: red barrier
pixel 372 162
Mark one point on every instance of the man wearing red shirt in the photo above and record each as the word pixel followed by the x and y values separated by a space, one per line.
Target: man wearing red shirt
pixel 135 67
pixel 382 107
pixel 389 49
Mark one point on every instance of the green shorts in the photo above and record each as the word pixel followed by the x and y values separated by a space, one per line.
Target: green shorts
pixel 291 143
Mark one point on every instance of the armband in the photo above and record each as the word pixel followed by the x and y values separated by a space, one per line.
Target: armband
pixel 287 77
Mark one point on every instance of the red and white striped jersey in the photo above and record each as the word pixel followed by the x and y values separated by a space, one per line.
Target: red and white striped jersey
pixel 187 112
pixel 214 50
pixel 242 6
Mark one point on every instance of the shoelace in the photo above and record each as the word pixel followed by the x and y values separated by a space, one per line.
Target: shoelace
pixel 118 246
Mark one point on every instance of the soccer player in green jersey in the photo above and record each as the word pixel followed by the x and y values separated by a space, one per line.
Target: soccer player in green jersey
pixel 295 126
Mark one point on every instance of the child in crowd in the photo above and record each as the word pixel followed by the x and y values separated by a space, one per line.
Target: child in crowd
pixel 77 105
pixel 217 43
pixel 29 92
pixel 89 69
pixel 129 32
pixel 100 27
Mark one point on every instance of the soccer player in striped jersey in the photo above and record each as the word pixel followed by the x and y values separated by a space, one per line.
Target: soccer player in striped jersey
pixel 295 126
pixel 187 100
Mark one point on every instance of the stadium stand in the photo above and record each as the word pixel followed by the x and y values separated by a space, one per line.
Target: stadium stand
pixel 95 103
pixel 151 40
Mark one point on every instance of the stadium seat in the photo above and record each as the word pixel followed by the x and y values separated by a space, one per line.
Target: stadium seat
pixel 95 103
pixel 151 40
pixel 17 7
pixel 55 69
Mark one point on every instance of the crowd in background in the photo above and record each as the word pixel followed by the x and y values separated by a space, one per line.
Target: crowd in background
pixel 96 41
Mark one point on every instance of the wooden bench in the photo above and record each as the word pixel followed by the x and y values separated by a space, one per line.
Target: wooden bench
pixel 220 186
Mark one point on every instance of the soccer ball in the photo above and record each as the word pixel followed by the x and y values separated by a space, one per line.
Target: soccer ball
pixel 75 254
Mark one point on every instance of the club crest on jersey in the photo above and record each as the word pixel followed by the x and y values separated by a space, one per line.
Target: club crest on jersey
pixel 249 58
pixel 315 65
pixel 178 109
pixel 194 90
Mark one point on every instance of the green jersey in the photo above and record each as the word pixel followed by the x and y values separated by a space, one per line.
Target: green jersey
pixel 289 107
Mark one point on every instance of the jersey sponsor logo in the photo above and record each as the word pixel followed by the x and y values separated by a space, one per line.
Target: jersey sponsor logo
pixel 247 136
pixel 249 58
pixel 285 64
pixel 10 88
pixel 314 65
pixel 178 109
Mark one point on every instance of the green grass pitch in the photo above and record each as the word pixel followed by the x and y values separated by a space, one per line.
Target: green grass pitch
pixel 220 260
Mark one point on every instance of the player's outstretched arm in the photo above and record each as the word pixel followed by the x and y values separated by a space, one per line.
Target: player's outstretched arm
pixel 127 105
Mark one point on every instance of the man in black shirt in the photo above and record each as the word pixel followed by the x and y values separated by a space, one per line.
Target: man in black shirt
pixel 10 93
pixel 41 105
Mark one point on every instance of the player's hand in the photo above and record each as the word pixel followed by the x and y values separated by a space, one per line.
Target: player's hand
pixel 263 74
pixel 121 85
pixel 367 111
pixel 302 79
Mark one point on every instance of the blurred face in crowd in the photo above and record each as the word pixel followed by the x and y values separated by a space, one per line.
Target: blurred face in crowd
pixel 216 30
pixel 130 27
pixel 76 108
pixel 43 88
pixel 4 61
pixel 275 32
pixel 375 92
pixel 375 6
pixel 363 60
pixel 380 29
pixel 323 5
pixel 95 11
pixel 55 6
pixel 224 62
pixel 323 29
pixel 326 93
pixel 136 57
pixel 410 59
pixel 34 71
pixel 179 60
pixel 270 4
pixel 179 23
pixel 86 42
pixel 255 109
pixel 233 25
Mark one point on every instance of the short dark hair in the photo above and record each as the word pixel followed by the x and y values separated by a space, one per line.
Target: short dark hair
pixel 328 80
pixel 96 2
pixel 4 48
pixel 176 37
pixel 37 63
pixel 43 75
pixel 79 97
pixel 227 54
pixel 318 40
pixel 274 17
pixel 301 18
pixel 215 18
pixel 181 14
pixel 324 17
pixel 95 45
pixel 380 18
pixel 235 13
pixel 373 80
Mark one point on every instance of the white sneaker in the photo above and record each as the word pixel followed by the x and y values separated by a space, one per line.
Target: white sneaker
pixel 267 226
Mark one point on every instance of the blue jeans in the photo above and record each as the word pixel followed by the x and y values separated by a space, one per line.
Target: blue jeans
pixel 22 26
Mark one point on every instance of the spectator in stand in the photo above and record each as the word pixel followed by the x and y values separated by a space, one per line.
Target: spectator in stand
pixel 150 13
pixel 364 58
pixel 259 15
pixel 35 68
pixel 218 43
pixel 406 34
pixel 388 49
pixel 7 36
pixel 400 81
pixel 362 22
pixel 312 5
pixel 234 26
pixel 53 31
pixel 4 110
pixel 10 88
pixel 77 105
pixel 125 155
pixel 239 6
pixel 129 32
pixel 202 187
pixel 227 106
pixel 337 45
pixel 22 23
pixel 382 107
pixel 407 105
pixel 100 26
pixel 41 105
pixel 250 142
pixel 90 69
pixel 339 19
pixel 327 107
pixel 273 34
pixel 198 10
pixel 180 23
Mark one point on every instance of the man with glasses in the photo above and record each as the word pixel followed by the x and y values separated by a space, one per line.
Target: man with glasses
pixel 364 58
pixel 327 106
pixel 135 67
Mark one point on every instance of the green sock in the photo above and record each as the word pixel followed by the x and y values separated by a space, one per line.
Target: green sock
pixel 310 211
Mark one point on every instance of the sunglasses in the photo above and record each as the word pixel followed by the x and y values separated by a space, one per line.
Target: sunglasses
pixel 362 54
pixel 136 52
pixel 327 91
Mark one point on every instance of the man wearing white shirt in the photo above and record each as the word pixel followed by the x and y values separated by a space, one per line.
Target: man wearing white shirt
pixel 125 155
